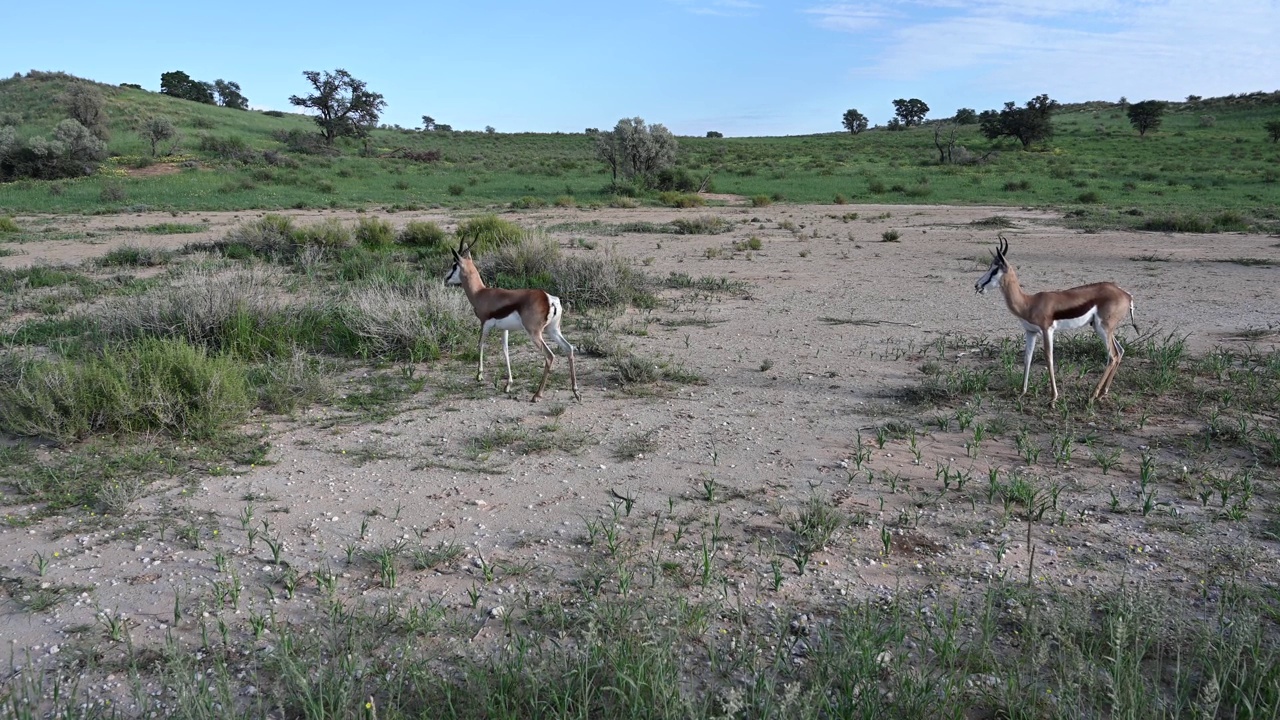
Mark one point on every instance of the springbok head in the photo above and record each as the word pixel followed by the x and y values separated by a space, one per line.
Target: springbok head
pixel 999 266
pixel 461 255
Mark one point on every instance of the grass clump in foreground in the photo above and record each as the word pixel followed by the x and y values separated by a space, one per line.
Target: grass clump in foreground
pixel 153 385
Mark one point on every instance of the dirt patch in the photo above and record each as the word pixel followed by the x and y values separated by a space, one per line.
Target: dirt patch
pixel 799 372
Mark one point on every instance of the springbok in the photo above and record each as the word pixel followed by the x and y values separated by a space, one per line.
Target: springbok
pixel 533 311
pixel 1102 305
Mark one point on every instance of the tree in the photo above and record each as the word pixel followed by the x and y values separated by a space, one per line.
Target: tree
pixel 1029 124
pixel 1273 129
pixel 854 121
pixel 910 112
pixel 74 151
pixel 180 85
pixel 85 104
pixel 1146 115
pixel 714 134
pixel 345 105
pixel 156 130
pixel 428 123
pixel 945 135
pixel 229 94
pixel 636 150
pixel 965 116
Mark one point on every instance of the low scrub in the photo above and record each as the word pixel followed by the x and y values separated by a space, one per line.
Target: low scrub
pixel 705 225
pixel 375 233
pixel 415 321
pixel 151 386
pixel 675 199
pixel 488 232
pixel 422 234
pixel 222 310
pixel 599 280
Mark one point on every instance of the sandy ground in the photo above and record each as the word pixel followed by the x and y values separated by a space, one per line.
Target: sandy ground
pixel 830 329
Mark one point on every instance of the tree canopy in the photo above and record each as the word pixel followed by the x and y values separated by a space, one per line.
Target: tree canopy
pixel 180 85
pixel 345 105
pixel 910 112
pixel 1146 115
pixel 854 121
pixel 636 150
pixel 1029 124
pixel 229 94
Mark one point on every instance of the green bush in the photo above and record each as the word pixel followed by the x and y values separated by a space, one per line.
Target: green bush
pixel 133 256
pixel 421 233
pixel 155 385
pixel 1178 223
pixel 529 202
pixel 270 236
pixel 329 233
pixel 488 232
pixel 680 200
pixel 761 201
pixel 375 233
pixel 7 225
pixel 600 280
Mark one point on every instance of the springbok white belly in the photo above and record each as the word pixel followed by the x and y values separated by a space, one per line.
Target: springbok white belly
pixel 1065 323
pixel 507 322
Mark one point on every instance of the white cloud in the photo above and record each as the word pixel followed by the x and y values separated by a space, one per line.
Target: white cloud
pixel 721 8
pixel 1073 49
pixel 845 17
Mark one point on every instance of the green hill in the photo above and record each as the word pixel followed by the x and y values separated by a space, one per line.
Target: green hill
pixel 1209 166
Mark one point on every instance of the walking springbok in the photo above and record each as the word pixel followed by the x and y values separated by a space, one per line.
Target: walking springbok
pixel 1102 305
pixel 533 311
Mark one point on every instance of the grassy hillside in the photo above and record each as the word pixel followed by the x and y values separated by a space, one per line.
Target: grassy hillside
pixel 1192 173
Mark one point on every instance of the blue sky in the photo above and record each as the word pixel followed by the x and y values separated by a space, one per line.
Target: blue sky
pixel 741 67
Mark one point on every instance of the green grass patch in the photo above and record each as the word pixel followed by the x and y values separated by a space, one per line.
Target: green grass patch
pixel 150 386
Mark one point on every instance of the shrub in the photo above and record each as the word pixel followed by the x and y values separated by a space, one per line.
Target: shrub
pixel 876 187
pixel 706 225
pixel 375 233
pixel 270 236
pixel 273 113
pixel 113 192
pixel 761 201
pixel 133 256
pixel 284 384
pixel 1090 196
pixel 601 280
pixel 456 189
pixel 528 202
pixel 1017 186
pixel 890 236
pixel 489 232
pixel 680 200
pixel 418 233
pixel 154 385
pixel 222 310
pixel 415 321
pixel 566 201
pixel 329 233
pixel 228 148
pixel 74 151
pixel 1178 223
pixel 676 180
pixel 7 225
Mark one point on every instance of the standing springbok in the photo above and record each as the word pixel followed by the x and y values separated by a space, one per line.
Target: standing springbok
pixel 533 311
pixel 1102 305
